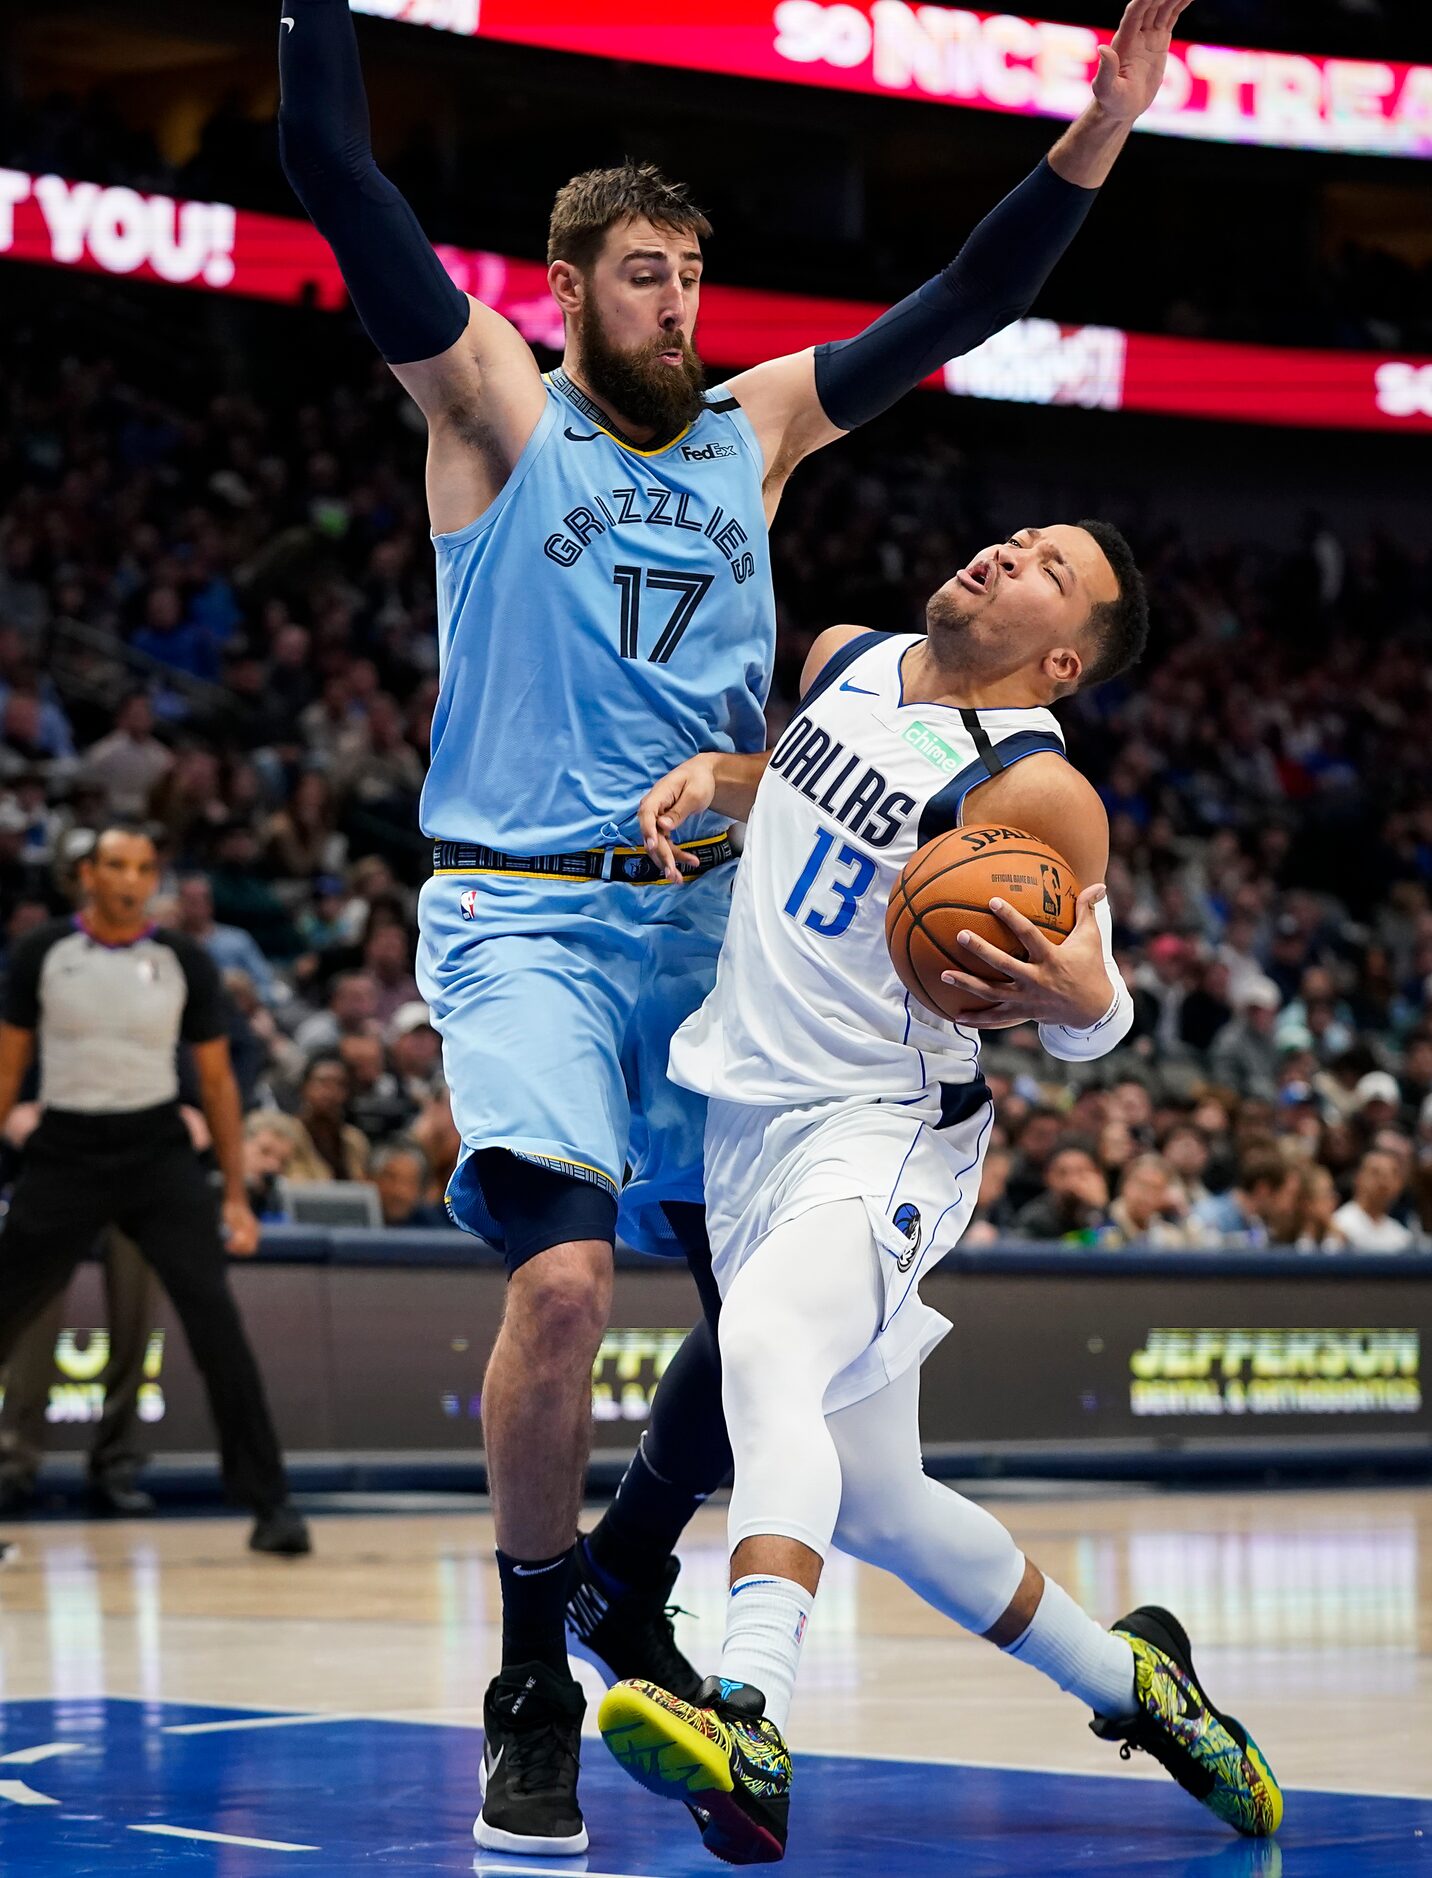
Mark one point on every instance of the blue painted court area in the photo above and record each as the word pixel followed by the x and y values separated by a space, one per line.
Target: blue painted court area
pixel 110 1786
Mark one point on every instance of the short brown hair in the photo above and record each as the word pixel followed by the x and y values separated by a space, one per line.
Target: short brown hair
pixel 1261 1165
pixel 598 200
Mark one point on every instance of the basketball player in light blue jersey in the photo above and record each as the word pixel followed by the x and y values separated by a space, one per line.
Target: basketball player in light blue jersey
pixel 605 613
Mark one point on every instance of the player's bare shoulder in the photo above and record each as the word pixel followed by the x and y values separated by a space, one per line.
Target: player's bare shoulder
pixel 781 404
pixel 1047 797
pixel 482 398
pixel 824 648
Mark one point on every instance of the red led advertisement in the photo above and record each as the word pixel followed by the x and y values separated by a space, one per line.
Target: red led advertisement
pixel 984 61
pixel 213 246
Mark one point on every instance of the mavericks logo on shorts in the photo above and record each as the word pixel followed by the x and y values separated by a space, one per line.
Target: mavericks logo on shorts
pixel 946 759
pixel 468 903
pixel 907 1220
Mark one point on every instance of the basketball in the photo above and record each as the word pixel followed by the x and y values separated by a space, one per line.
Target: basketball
pixel 945 889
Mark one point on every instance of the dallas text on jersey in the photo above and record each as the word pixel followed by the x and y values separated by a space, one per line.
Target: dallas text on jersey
pixel 869 808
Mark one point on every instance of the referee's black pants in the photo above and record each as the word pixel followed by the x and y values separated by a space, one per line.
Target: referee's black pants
pixel 139 1172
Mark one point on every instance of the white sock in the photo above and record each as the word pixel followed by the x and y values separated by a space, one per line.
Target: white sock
pixel 1072 1650
pixel 765 1626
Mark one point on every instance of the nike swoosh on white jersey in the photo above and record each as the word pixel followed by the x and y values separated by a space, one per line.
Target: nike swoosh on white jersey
pixel 847 686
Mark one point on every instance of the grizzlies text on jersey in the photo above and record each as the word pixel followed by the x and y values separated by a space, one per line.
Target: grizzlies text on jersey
pixel 607 617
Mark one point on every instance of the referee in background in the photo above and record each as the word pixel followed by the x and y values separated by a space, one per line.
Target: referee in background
pixel 110 998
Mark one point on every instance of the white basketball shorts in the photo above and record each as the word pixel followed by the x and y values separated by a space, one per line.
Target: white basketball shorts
pixel 915 1165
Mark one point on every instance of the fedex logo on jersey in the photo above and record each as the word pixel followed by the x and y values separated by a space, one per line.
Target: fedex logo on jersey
pixel 856 793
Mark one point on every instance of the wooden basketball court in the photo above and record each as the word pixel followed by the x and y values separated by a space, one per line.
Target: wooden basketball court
pixel 172 1703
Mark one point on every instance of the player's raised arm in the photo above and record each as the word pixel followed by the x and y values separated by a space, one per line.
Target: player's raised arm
pixel 450 352
pixel 798 403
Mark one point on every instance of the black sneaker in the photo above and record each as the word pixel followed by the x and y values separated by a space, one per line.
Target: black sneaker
pixel 283 1532
pixel 630 1635
pixel 720 1755
pixel 120 1499
pixel 17 1496
pixel 532 1724
pixel 1211 1755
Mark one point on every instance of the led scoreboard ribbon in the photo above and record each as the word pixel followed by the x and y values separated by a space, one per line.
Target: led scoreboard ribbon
pixel 983 61
pixel 221 249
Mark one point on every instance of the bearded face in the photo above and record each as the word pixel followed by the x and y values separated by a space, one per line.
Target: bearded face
pixel 948 611
pixel 648 391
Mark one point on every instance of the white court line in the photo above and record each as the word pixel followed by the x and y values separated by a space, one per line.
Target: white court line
pixel 257 1721
pixel 224 1838
pixel 20 1795
pixel 1083 1773
pixel 417 1718
pixel 27 1757
pixel 536 1871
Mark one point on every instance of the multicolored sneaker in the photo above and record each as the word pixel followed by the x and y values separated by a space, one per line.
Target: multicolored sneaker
pixel 718 1755
pixel 1210 1755
pixel 629 1633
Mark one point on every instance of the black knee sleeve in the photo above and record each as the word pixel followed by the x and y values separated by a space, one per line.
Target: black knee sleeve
pixel 536 1206
pixel 687 1220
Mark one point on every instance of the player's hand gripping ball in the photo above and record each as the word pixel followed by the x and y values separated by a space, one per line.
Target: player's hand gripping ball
pixel 945 889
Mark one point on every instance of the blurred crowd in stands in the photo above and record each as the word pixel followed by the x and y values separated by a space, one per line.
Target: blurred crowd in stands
pixel 218 618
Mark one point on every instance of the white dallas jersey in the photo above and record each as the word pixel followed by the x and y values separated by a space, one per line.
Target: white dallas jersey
pixel 806 1004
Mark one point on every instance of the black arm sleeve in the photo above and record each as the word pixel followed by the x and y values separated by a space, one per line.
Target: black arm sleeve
pixel 22 982
pixel 205 1011
pixel 405 297
pixel 991 281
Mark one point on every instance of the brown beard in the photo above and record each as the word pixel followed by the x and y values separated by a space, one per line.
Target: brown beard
pixel 947 621
pixel 633 380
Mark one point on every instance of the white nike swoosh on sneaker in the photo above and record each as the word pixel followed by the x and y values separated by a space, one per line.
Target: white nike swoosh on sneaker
pixel 284 20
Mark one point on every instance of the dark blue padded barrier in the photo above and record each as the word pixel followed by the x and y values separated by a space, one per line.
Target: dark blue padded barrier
pixel 440 1246
pixel 1061 1361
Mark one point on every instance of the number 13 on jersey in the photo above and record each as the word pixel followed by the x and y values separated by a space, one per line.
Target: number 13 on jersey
pixel 848 892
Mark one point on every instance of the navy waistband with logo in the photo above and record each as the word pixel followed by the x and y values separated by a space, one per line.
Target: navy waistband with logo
pixel 633 867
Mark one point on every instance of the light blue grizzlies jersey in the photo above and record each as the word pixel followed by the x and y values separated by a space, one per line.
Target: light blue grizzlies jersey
pixel 609 616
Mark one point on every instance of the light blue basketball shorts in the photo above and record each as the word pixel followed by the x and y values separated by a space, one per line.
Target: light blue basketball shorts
pixel 556 1002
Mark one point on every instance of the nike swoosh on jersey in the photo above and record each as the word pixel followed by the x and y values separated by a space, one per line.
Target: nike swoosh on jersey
pixel 847 686
pixel 578 436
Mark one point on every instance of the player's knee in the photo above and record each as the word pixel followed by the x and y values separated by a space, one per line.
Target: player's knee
pixel 754 1344
pixel 870 1527
pixel 558 1305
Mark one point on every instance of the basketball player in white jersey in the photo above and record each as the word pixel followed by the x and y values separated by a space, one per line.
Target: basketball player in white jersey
pixel 846 1129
